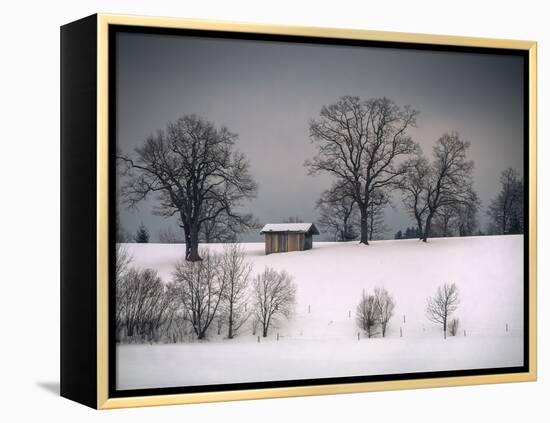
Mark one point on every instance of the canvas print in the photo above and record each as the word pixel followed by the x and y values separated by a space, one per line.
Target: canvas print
pixel 290 211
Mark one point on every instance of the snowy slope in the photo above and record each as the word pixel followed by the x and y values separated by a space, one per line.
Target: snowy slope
pixel 323 342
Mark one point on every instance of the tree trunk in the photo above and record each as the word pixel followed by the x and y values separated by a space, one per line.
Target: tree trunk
pixel 420 228
pixel 428 228
pixel 264 332
pixel 230 321
pixel 193 248
pixel 364 226
pixel 371 226
pixel 186 234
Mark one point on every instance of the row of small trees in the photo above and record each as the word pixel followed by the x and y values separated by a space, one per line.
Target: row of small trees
pixel 217 292
pixel 375 310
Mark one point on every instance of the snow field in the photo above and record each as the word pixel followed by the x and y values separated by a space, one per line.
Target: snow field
pixel 321 338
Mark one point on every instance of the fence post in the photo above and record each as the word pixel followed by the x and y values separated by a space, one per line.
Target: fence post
pixel 258 339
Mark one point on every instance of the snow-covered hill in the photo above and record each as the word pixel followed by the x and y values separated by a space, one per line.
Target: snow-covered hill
pixel 321 339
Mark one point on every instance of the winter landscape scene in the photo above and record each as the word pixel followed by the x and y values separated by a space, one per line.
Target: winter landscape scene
pixel 292 211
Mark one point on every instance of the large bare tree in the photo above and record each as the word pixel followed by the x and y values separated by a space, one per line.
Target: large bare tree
pixel 442 305
pixel 195 172
pixel 506 210
pixel 445 183
pixel 360 142
pixel 414 186
pixel 200 288
pixel 275 295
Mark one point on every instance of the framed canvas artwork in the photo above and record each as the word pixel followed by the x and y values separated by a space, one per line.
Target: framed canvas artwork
pixel 254 211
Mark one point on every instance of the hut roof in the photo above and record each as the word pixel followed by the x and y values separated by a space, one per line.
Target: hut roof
pixel 290 227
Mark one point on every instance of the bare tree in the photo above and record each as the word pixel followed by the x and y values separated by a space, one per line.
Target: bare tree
pixel 446 182
pixel 414 186
pixel 506 210
pixel 386 306
pixel 142 304
pixel 200 289
pixel 451 179
pixel 338 212
pixel 367 314
pixel 442 305
pixel 275 295
pixel 195 172
pixel 123 259
pixel 360 142
pixel 236 274
pixel 177 325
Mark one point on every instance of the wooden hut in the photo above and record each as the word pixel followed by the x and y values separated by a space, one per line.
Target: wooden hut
pixel 284 237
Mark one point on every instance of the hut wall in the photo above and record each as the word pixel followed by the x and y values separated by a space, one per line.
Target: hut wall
pixel 281 242
pixel 295 242
pixel 308 241
pixel 269 243
pixel 276 243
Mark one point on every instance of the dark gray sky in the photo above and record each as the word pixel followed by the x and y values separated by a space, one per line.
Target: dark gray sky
pixel 267 92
